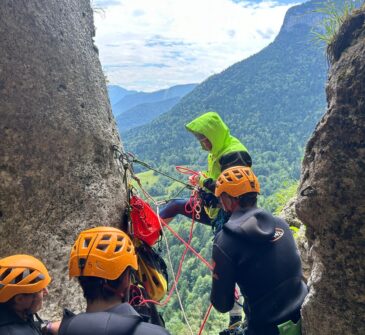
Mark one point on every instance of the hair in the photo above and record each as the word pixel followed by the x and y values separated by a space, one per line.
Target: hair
pixel 248 200
pixel 95 288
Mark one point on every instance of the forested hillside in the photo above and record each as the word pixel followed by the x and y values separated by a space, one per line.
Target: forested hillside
pixel 271 101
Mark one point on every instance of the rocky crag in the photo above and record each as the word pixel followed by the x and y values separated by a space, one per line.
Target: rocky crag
pixel 331 200
pixel 57 171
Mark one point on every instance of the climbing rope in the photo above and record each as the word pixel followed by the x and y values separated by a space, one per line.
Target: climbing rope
pixel 177 277
pixel 127 160
pixel 205 319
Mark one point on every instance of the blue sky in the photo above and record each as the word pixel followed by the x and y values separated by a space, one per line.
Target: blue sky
pixel 148 45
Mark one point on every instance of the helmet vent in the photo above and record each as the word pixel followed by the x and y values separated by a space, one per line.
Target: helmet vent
pixel 106 237
pixel 117 248
pixel 120 238
pixel 20 277
pixel 102 247
pixel 129 249
pixel 37 279
pixel 155 280
pixel 5 274
pixel 86 242
pixel 82 262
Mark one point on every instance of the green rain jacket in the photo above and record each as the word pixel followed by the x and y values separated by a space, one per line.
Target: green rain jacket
pixel 216 131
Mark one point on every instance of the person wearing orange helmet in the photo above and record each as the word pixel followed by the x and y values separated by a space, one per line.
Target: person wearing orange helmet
pixel 23 285
pixel 102 259
pixel 257 251
pixel 223 150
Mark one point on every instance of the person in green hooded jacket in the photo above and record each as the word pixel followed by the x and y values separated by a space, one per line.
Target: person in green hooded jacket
pixel 225 151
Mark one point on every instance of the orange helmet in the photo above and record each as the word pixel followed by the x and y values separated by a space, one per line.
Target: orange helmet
pixel 103 252
pixel 20 274
pixel 236 181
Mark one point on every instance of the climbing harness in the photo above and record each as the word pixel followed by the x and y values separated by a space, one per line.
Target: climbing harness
pixel 236 330
pixel 219 221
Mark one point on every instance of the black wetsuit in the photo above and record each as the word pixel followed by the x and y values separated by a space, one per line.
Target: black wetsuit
pixel 12 324
pixel 257 251
pixel 119 320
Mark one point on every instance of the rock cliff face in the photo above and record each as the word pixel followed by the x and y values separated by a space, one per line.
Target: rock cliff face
pixel 332 193
pixel 57 172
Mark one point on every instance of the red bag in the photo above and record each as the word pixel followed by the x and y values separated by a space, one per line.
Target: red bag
pixel 145 222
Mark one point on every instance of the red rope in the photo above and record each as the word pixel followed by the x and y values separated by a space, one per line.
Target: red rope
pixel 188 246
pixel 205 319
pixel 195 207
pixel 185 170
pixel 143 301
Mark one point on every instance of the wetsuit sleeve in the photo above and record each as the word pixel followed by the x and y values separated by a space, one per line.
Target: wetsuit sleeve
pixel 223 281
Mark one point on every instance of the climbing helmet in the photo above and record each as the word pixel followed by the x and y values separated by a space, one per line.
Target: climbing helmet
pixel 236 181
pixel 103 252
pixel 21 274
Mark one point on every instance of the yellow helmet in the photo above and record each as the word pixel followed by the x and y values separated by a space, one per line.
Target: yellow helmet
pixel 236 181
pixel 21 274
pixel 152 272
pixel 103 252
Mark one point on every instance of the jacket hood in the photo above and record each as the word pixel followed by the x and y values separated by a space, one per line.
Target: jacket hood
pixel 253 224
pixel 213 128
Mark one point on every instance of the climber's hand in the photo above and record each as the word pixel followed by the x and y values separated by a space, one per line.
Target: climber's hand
pixel 194 179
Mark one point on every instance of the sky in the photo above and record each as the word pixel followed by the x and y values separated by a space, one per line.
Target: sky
pixel 147 45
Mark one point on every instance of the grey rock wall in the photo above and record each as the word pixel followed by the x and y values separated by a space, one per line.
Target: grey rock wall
pixel 57 172
pixel 332 194
pixel 289 214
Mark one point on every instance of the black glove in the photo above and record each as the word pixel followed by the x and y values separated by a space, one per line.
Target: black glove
pixel 209 184
pixel 208 199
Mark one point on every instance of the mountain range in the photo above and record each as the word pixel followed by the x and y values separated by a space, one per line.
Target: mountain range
pixel 271 101
pixel 132 108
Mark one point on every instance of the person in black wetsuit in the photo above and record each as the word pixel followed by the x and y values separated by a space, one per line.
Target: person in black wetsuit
pixel 257 251
pixel 23 285
pixel 102 259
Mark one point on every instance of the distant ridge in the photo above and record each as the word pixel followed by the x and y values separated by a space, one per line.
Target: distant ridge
pixel 271 101
pixel 132 100
pixel 134 109
pixel 144 113
pixel 117 93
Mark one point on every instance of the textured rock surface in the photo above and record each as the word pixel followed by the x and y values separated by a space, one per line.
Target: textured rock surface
pixel 332 194
pixel 57 170
pixel 290 216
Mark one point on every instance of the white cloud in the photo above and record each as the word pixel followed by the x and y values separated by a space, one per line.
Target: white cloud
pixel 153 44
